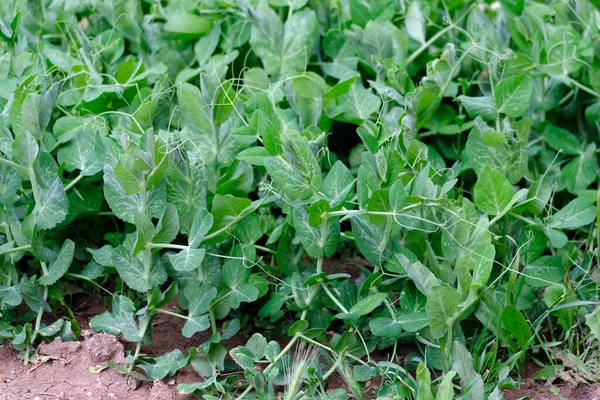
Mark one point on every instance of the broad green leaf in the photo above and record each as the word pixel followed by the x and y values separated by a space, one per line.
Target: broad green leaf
pixel 516 326
pixel 188 24
pixel 545 271
pixel 25 149
pixel 442 302
pixel 168 225
pixel 420 275
pixel 187 259
pixel 370 240
pixel 165 365
pixel 286 49
pixel 413 322
pixel 415 23
pixel 368 304
pixel 492 191
pixel 580 172
pixel 397 197
pixel 139 272
pixel 58 267
pixel 203 221
pixel 286 177
pixel 562 140
pixel 52 207
pixel 592 320
pixel 385 327
pixel 317 242
pixel 79 154
pixel 337 184
pixel 119 320
pixel 483 107
pixel 194 325
pixel 577 213
pixel 512 95
pixel 144 232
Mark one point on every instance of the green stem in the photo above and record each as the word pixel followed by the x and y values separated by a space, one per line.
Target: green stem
pixel 220 231
pixel 335 366
pixel 265 249
pixel 163 311
pixel 73 182
pixel 15 249
pixel 38 320
pixel 213 321
pixel 334 299
pixel 138 345
pixel 147 263
pixel 19 168
pixel 580 86
pixel 166 246
pixel 85 278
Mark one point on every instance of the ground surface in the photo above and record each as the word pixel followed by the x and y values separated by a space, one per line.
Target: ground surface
pixel 65 373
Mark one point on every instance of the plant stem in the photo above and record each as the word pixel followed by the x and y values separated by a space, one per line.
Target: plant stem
pixel 334 299
pixel 19 168
pixel 167 246
pixel 138 345
pixel 73 182
pixel 15 249
pixel 265 249
pixel 38 319
pixel 163 311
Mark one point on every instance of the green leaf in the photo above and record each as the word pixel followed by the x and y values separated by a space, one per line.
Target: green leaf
pixel 415 23
pixel 442 302
pixel 368 304
pixel 25 149
pixel 338 184
pixel 545 271
pixel 203 221
pixel 592 320
pixel 483 107
pixel 188 24
pixel 512 95
pixel 379 202
pixel 165 365
pixel 194 325
pixel 139 272
pixel 286 177
pixel 187 259
pixel 370 240
pixel 119 320
pixel 514 323
pixel 316 241
pixel 284 50
pixel 492 191
pixel 167 228
pixel 243 357
pixel 385 327
pixel 79 154
pixel 562 140
pixel 61 265
pixel 52 207
pixel 580 172
pixel 577 213
pixel 254 155
pixel 144 232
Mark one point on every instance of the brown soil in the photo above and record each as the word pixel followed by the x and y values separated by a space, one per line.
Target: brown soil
pixel 537 390
pixel 64 374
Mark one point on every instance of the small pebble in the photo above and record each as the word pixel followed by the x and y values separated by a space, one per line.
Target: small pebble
pixel 89 394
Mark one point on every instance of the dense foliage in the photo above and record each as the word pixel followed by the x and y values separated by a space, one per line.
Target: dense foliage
pixel 232 155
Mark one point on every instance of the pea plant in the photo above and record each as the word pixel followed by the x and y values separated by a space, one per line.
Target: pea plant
pixel 332 179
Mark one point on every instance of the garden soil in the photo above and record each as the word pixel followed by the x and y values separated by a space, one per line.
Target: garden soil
pixel 75 370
